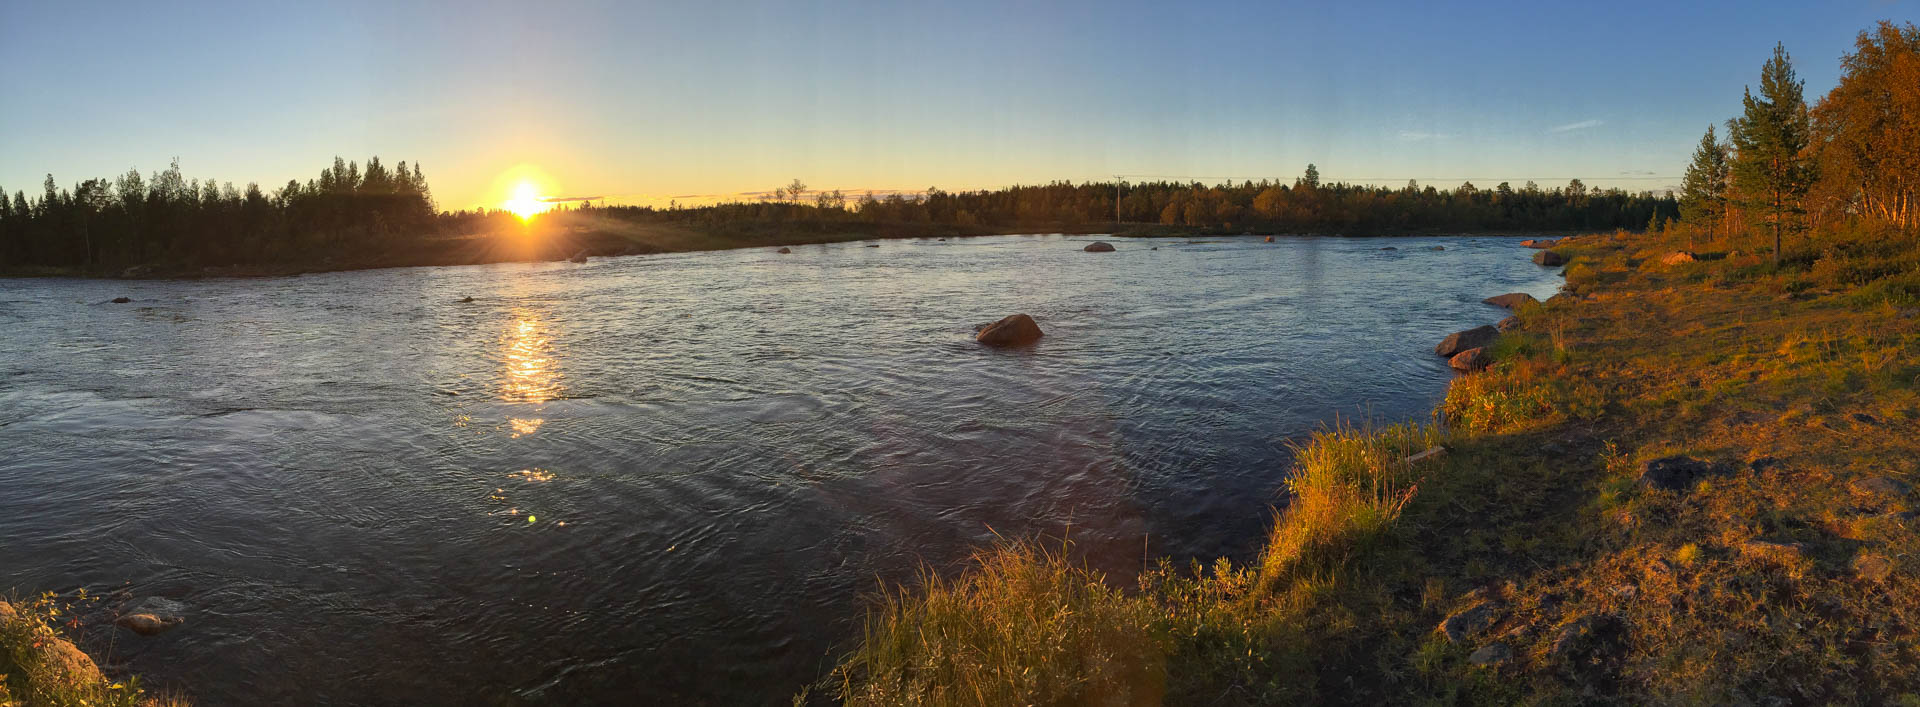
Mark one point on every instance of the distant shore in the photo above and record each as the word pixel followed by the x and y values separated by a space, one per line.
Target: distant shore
pixel 565 237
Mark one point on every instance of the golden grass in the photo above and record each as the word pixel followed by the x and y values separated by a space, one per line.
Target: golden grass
pixel 1788 576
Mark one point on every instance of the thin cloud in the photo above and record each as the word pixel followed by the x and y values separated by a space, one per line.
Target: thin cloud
pixel 565 199
pixel 1582 125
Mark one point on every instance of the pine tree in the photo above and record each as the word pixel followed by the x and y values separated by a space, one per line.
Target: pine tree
pixel 1770 167
pixel 1703 194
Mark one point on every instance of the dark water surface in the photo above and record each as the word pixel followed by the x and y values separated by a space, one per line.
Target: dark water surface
pixel 720 451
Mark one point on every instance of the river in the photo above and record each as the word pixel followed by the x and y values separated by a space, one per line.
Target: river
pixel 672 478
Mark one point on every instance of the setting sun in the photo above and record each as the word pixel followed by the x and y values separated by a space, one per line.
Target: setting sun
pixel 526 201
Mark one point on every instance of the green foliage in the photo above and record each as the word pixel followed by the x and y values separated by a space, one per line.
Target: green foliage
pixel 39 666
pixel 1770 169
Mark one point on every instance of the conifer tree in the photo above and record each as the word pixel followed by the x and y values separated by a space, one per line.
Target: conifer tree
pixel 1771 170
pixel 1703 193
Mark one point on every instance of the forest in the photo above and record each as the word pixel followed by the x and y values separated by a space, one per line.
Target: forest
pixel 352 211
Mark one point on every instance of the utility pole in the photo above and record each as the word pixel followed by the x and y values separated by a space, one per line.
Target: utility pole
pixel 1117 185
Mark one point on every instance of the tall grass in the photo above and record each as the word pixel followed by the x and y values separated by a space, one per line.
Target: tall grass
pixel 1349 486
pixel 40 667
pixel 1026 625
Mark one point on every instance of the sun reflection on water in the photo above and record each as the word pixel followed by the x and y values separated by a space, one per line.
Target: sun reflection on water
pixel 532 374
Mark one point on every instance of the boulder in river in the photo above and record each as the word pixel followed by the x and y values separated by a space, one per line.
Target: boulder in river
pixel 1389 248
pixel 1438 247
pixel 1099 247
pixel 1549 258
pixel 121 300
pixel 148 624
pixel 466 300
pixel 1459 341
pixel 1510 300
pixel 152 615
pixel 1269 239
pixel 1473 359
pixel 1015 330
pixel 784 250
pixel 1539 242
pixel 873 245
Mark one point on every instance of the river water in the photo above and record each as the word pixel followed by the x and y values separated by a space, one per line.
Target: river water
pixel 670 479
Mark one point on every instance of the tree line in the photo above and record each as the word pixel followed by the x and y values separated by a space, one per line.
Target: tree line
pixel 166 217
pixel 1787 168
pixel 1304 206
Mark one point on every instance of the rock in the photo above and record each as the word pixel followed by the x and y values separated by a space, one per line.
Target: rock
pixel 1491 654
pixel 1511 300
pixel 1389 248
pixel 1763 464
pixel 784 250
pixel 1438 247
pixel 1466 622
pixel 1099 247
pixel 1459 341
pixel 1508 324
pixel 1881 486
pixel 6 611
pixel 1549 258
pixel 1587 637
pixel 1429 455
pixel 1539 243
pixel 1864 418
pixel 579 257
pixel 465 300
pixel 1015 330
pixel 148 624
pixel 1768 551
pixel 1473 359
pixel 1269 239
pixel 120 300
pixel 1154 248
pixel 1872 566
pixel 1676 258
pixel 873 245
pixel 943 240
pixel 1675 473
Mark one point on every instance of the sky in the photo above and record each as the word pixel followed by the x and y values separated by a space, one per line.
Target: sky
pixel 647 102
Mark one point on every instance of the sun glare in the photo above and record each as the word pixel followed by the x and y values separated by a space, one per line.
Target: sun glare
pixel 526 201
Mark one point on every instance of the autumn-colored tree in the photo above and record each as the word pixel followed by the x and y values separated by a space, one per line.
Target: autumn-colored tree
pixel 1868 128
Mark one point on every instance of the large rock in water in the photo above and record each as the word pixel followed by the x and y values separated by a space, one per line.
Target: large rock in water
pixel 1459 341
pixel 1510 300
pixel 1099 247
pixel 1471 360
pixel 1549 258
pixel 1015 330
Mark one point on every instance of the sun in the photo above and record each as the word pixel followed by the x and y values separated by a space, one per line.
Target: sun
pixel 526 201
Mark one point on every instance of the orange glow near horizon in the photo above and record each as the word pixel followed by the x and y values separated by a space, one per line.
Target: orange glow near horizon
pixel 525 190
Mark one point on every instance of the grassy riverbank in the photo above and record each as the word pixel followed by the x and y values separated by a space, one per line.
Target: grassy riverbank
pixel 41 667
pixel 1532 562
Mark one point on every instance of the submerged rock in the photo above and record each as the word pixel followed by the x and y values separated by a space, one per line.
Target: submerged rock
pixel 1099 247
pixel 1471 359
pixel 784 250
pixel 1511 300
pixel 465 300
pixel 148 624
pixel 1549 258
pixel 1014 330
pixel 1459 341
pixel 120 300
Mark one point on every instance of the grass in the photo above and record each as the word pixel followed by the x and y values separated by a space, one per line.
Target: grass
pixel 41 667
pixel 1787 577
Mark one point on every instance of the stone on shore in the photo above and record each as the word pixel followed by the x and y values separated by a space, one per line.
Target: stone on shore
pixel 784 250
pixel 1099 247
pixel 1466 622
pixel 1511 300
pixel 1015 330
pixel 1676 473
pixel 1549 258
pixel 1491 654
pixel 1471 360
pixel 1508 324
pixel 1459 341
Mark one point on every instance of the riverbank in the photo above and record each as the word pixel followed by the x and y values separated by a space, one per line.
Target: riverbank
pixel 40 666
pixel 560 236
pixel 1686 479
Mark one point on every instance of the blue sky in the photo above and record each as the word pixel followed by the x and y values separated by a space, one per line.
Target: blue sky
pixel 649 101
